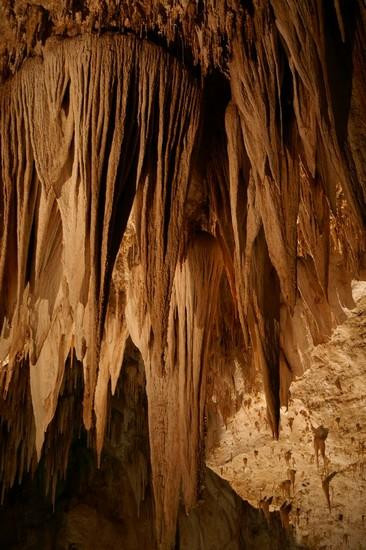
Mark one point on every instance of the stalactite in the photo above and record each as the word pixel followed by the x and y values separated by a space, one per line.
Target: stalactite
pixel 94 162
pixel 325 486
pixel 17 430
pixel 289 185
pixel 196 294
pixel 217 222
pixel 177 396
pixel 162 192
pixel 270 138
pixel 79 151
pixel 321 109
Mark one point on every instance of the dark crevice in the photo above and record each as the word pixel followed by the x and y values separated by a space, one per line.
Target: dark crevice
pixel 65 104
pixel 339 60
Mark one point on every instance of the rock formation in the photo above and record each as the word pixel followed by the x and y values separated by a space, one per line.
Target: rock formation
pixel 189 175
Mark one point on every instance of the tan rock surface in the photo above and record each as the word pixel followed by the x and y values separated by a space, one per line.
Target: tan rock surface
pixel 330 394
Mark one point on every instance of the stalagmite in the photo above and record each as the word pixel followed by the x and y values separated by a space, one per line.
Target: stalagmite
pixel 292 475
pixel 320 435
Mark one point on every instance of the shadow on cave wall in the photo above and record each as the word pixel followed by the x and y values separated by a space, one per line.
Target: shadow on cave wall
pixel 112 507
